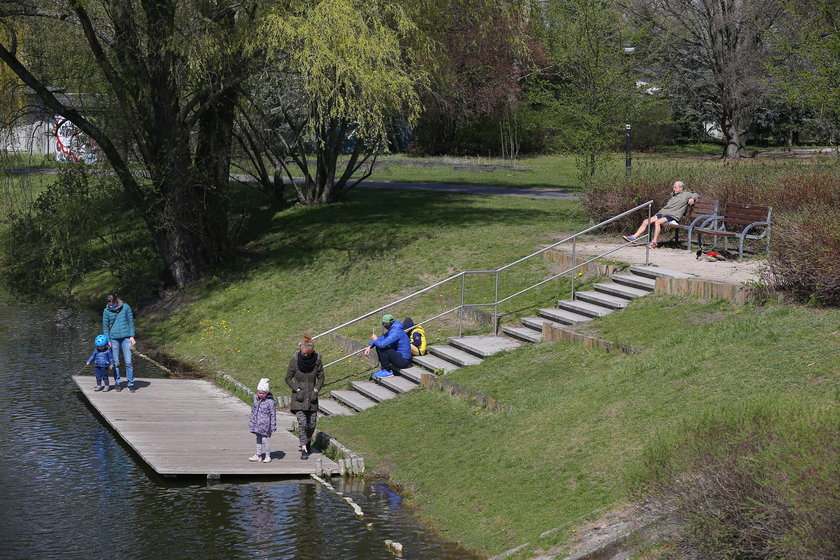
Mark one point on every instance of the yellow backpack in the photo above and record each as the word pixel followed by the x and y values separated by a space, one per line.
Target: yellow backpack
pixel 415 349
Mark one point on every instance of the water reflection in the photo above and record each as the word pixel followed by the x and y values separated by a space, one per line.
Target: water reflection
pixel 70 489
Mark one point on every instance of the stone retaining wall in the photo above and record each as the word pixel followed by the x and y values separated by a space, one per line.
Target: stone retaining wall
pixel 553 333
pixel 707 289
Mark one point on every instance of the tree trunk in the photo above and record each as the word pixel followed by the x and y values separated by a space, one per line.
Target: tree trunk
pixel 733 134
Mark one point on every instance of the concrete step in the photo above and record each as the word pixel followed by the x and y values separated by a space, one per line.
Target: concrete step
pixel 398 383
pixel 334 408
pixel 412 373
pixel 561 316
pixel 353 399
pixel 526 334
pixel 536 323
pixel 454 355
pixel 604 300
pixel 618 290
pixel 484 346
pixel 584 308
pixel 657 272
pixel 373 391
pixel 638 282
pixel 433 363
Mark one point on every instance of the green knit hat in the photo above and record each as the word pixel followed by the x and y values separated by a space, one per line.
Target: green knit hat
pixel 387 318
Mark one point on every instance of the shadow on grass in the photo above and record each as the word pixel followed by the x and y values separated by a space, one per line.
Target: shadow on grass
pixel 369 224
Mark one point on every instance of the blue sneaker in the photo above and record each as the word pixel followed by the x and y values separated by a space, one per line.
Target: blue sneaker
pixel 383 373
pixel 630 238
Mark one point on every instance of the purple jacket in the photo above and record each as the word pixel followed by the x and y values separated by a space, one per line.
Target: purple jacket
pixel 263 416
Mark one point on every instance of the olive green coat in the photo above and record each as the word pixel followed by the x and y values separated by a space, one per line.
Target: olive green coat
pixel 304 386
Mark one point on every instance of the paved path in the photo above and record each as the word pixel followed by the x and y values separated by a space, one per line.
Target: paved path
pixel 193 427
pixel 555 194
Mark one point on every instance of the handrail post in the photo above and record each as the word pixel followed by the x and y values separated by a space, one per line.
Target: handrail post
pixel 647 245
pixel 574 265
pixel 461 313
pixel 496 307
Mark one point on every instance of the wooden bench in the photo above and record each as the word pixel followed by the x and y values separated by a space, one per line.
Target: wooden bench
pixel 746 222
pixel 696 214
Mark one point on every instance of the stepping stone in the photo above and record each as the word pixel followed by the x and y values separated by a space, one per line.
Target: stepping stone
pixel 523 333
pixel 454 355
pixel 353 400
pixel 618 290
pixel 373 391
pixel 413 373
pixel 433 363
pixel 333 408
pixel 562 316
pixel 584 308
pixel 638 282
pixel 484 346
pixel 398 383
pixel 604 300
pixel 658 272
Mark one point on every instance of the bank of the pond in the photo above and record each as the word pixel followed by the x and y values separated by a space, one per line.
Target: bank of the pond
pixel 576 418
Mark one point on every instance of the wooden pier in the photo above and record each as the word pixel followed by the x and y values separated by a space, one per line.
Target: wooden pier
pixel 193 427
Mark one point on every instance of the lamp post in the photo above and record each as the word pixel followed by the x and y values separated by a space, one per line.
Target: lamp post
pixel 628 160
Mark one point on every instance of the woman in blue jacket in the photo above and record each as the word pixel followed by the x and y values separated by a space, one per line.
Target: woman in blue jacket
pixel 393 348
pixel 118 326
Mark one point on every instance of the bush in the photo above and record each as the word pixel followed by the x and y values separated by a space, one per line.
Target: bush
pixel 77 224
pixel 805 238
pixel 756 482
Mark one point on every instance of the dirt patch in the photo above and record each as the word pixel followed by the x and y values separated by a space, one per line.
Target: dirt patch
pixel 705 318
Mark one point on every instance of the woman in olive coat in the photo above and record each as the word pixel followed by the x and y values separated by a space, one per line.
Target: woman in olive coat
pixel 305 377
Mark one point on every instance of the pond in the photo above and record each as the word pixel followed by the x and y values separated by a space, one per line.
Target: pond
pixel 70 488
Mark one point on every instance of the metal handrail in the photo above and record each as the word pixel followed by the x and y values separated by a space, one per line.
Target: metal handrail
pixel 497 301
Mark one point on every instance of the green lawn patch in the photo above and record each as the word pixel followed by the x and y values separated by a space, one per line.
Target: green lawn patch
pixel 308 269
pixel 579 418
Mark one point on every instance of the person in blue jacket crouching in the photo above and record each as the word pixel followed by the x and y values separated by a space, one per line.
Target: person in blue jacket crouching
pixel 393 348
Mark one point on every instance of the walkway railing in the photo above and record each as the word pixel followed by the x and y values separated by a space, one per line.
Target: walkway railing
pixel 496 301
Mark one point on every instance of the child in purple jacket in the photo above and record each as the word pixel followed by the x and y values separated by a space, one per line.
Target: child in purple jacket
pixel 263 421
pixel 103 361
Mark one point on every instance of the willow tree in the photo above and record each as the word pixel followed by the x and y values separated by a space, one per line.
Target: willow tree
pixel 337 73
pixel 169 72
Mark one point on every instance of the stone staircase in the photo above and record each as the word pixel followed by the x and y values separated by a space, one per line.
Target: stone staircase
pixel 602 300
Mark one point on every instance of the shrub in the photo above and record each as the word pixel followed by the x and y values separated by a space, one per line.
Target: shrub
pixel 756 482
pixel 78 223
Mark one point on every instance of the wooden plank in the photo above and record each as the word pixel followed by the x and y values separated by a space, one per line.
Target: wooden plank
pixel 193 427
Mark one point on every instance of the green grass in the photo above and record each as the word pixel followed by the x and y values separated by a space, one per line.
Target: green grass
pixel 529 172
pixel 308 269
pixel 580 417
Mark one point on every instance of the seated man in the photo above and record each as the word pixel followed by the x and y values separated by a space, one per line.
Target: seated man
pixel 673 210
pixel 393 348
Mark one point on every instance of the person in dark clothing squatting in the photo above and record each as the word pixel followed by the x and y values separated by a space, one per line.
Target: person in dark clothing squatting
pixel 393 348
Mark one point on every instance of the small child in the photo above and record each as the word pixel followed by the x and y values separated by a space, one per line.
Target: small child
pixel 103 361
pixel 263 421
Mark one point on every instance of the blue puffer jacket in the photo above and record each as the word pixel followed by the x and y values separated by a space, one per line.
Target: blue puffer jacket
pixel 397 335
pixel 102 358
pixel 118 324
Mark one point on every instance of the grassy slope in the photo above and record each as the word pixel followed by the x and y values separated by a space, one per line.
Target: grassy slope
pixel 308 269
pixel 580 417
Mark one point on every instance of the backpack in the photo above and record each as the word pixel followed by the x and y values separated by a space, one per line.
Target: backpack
pixel 418 341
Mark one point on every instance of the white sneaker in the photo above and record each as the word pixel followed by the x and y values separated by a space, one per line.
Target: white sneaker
pixel 254 458
pixel 267 458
